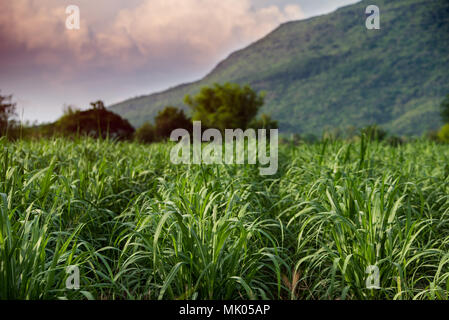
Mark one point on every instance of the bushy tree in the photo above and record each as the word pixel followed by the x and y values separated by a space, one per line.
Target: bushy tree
pixel 227 106
pixel 96 122
pixel 146 133
pixel 443 135
pixel 445 109
pixel 169 119
pixel 395 141
pixel 7 112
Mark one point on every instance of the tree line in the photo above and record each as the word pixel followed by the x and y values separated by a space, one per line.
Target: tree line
pixel 221 106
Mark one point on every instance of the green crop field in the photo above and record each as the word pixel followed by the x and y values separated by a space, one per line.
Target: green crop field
pixel 139 227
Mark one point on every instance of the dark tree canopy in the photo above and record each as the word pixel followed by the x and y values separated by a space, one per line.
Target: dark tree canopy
pixel 170 119
pixel 227 106
pixel 146 133
pixel 445 109
pixel 98 105
pixel 96 122
pixel 7 111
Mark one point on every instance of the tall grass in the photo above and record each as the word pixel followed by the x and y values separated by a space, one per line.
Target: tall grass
pixel 139 227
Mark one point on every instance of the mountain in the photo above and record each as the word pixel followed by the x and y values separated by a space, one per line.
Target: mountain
pixel 330 71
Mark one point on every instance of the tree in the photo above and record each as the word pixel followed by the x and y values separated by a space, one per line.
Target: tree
pixel 98 105
pixel 264 122
pixel 443 135
pixel 69 109
pixel 170 119
pixel 146 133
pixel 96 122
pixel 7 111
pixel 227 106
pixel 445 109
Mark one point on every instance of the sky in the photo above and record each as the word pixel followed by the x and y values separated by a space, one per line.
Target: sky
pixel 126 48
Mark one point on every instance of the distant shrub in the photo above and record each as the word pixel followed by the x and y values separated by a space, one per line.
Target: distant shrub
pixel 264 122
pixel 309 138
pixel 7 112
pixel 146 133
pixel 374 133
pixel 443 135
pixel 395 141
pixel 433 135
pixel 293 139
pixel 332 134
pixel 96 122
pixel 169 119
pixel 227 106
pixel 445 109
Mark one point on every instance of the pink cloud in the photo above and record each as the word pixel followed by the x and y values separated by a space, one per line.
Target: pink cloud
pixel 152 32
pixel 123 49
pixel 200 29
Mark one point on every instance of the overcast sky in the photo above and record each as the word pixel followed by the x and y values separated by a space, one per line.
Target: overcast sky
pixel 126 48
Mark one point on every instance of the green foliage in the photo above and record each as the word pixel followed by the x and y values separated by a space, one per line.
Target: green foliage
pixel 96 122
pixel 146 133
pixel 374 133
pixel 98 105
pixel 395 141
pixel 7 111
pixel 443 134
pixel 170 119
pixel 329 71
pixel 227 106
pixel 432 135
pixel 445 109
pixel 264 122
pixel 139 227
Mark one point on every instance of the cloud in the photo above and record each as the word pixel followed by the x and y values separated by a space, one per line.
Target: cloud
pixel 39 27
pixel 123 49
pixel 153 33
pixel 198 28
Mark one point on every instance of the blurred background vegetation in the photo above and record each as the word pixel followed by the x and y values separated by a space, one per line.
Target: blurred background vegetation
pixel 330 72
pixel 229 106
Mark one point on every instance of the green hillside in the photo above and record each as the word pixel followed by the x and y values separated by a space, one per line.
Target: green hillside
pixel 330 71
